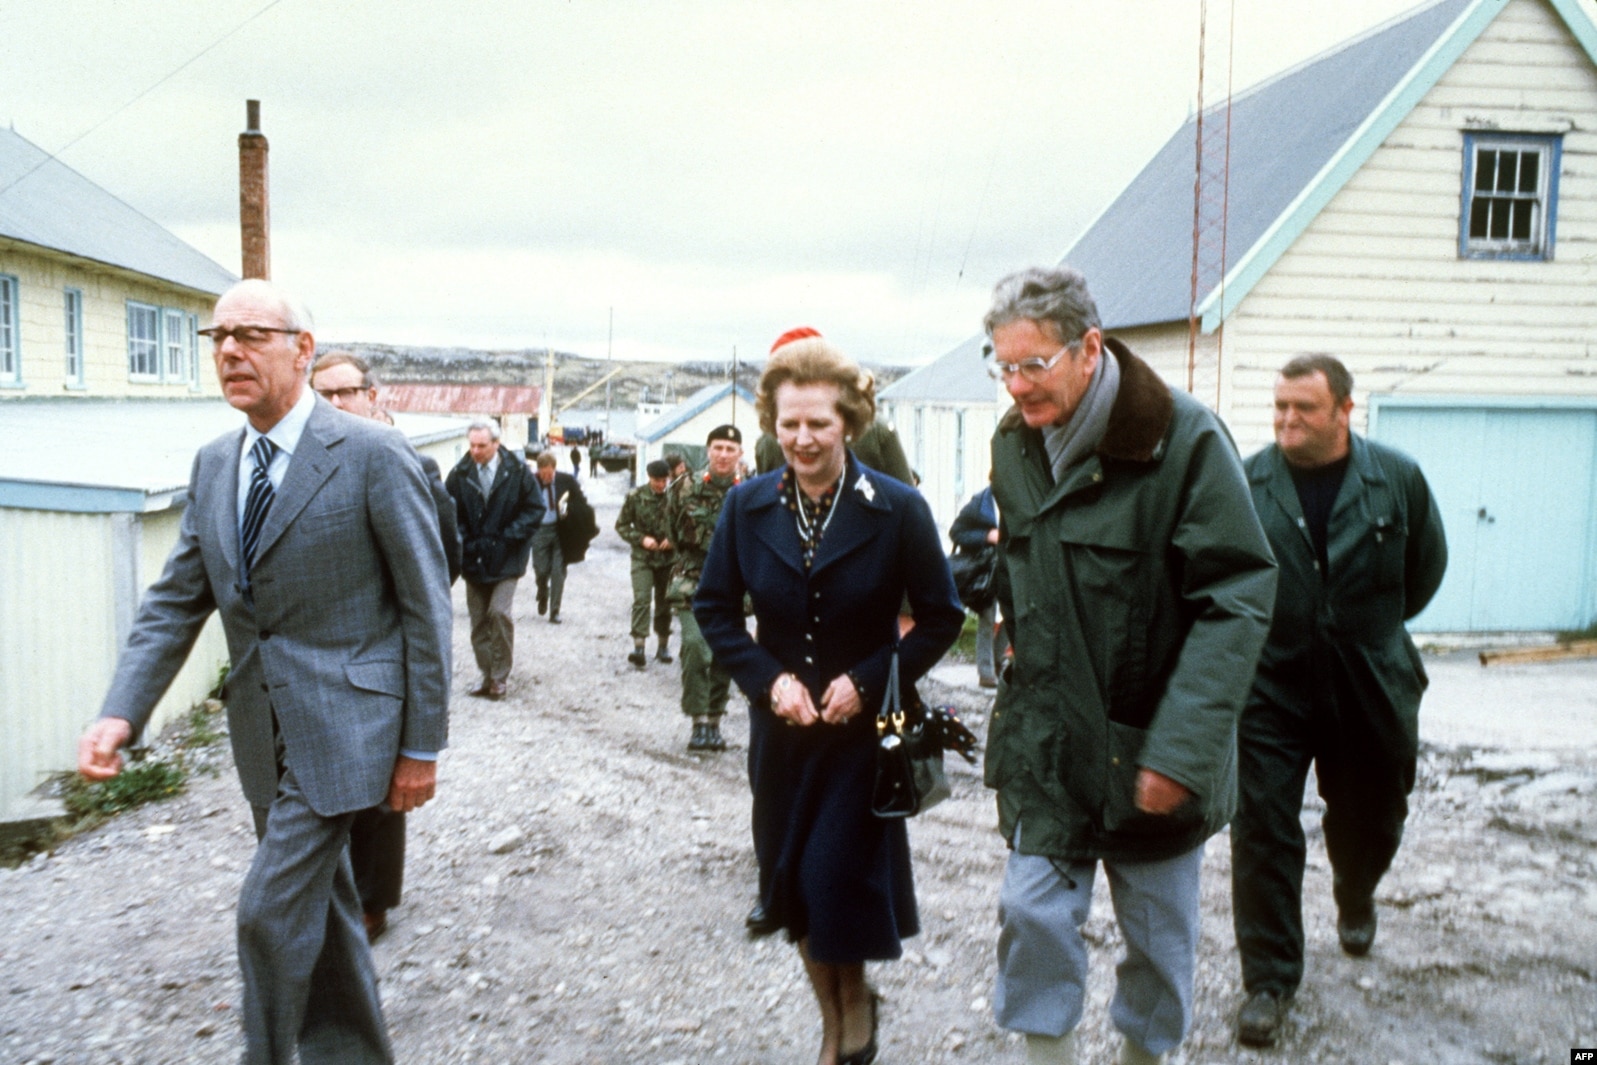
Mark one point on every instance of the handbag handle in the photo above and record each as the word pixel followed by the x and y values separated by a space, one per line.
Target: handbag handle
pixel 890 714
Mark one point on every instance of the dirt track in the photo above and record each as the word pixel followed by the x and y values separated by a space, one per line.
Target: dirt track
pixel 612 932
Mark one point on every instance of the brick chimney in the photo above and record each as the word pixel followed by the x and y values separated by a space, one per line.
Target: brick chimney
pixel 254 202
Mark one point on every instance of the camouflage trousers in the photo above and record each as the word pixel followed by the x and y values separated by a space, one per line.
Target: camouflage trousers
pixel 648 587
pixel 705 685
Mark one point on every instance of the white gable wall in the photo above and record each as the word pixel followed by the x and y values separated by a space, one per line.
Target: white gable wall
pixel 1376 278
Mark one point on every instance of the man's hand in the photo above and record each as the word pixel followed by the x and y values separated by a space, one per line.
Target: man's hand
pixel 415 781
pixel 98 757
pixel 1158 794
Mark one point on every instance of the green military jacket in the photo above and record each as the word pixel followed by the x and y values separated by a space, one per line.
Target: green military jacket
pixel 1386 552
pixel 646 512
pixel 1138 593
pixel 695 509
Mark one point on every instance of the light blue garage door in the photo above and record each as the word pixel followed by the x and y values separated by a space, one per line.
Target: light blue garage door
pixel 1517 488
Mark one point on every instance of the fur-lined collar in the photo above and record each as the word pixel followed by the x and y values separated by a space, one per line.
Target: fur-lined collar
pixel 1140 417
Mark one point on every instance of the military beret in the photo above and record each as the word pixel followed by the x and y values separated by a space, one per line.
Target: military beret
pixel 724 432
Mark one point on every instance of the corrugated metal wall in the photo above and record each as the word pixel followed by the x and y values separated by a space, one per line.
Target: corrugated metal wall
pixel 61 618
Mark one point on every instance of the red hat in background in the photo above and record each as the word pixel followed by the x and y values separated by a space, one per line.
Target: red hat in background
pixel 801 333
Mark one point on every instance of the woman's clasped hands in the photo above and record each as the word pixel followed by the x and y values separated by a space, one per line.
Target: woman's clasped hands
pixel 790 701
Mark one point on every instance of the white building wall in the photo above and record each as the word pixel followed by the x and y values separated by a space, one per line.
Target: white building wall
pixel 68 584
pixel 950 446
pixel 1376 279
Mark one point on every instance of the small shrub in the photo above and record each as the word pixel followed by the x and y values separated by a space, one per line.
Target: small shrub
pixel 137 784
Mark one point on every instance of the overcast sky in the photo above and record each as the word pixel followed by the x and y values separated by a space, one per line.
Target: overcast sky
pixel 502 174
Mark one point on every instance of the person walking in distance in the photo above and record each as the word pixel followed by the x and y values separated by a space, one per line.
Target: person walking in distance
pixel 498 508
pixel 645 524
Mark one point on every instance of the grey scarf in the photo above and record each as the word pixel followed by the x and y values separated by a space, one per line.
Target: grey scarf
pixel 1068 444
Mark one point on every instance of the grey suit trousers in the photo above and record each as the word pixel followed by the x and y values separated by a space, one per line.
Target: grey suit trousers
pixel 309 981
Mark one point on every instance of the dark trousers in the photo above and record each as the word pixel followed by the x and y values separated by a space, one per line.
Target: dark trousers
pixel 377 851
pixel 1365 769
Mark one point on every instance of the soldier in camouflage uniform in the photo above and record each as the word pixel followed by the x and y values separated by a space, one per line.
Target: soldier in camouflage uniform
pixel 645 524
pixel 694 512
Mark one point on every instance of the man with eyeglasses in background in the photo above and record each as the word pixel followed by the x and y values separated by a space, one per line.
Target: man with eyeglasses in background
pixel 1138 594
pixel 377 836
pixel 313 536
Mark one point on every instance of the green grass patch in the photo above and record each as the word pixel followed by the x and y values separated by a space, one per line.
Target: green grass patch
pixel 964 648
pixel 137 784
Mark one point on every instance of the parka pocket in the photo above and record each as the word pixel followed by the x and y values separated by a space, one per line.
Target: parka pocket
pixel 1110 576
pixel 1120 813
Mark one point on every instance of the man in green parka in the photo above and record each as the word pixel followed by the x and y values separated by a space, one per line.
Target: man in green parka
pixel 1361 550
pixel 1138 593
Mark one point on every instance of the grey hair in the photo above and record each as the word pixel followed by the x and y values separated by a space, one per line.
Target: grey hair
pixel 296 315
pixel 483 424
pixel 1056 294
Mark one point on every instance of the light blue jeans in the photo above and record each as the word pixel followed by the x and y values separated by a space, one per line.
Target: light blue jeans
pixel 1042 958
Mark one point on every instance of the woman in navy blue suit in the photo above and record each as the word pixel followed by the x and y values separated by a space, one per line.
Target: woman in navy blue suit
pixel 826 549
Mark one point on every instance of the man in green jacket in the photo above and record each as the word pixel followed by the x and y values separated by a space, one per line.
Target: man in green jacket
pixel 1361 550
pixel 645 523
pixel 1138 594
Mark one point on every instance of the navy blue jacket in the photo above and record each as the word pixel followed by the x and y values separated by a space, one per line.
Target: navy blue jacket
pixel 842 616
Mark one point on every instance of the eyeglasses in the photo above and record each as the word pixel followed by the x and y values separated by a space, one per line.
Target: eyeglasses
pixel 1033 369
pixel 333 395
pixel 250 336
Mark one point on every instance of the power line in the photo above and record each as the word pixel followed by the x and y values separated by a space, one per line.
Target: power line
pixel 53 156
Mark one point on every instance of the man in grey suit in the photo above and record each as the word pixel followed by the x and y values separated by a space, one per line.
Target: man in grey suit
pixel 313 534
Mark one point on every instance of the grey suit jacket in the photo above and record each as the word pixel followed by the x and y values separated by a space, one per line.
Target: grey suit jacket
pixel 348 637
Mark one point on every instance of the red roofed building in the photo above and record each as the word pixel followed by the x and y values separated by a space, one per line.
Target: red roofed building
pixel 514 407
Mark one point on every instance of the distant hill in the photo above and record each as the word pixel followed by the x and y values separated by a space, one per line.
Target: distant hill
pixel 574 374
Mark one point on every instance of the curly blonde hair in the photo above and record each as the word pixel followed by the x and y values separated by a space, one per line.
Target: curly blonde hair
pixel 813 360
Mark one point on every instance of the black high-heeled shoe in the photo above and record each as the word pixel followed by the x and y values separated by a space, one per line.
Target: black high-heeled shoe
pixel 865 1055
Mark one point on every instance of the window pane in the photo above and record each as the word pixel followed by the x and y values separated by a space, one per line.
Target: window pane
pixel 73 310
pixel 173 343
pixel 143 342
pixel 1507 169
pixel 8 329
pixel 1529 171
pixel 1485 171
pixel 1522 212
pixel 1499 227
pixel 1480 213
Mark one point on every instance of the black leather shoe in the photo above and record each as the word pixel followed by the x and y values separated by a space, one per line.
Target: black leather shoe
pixel 1355 928
pixel 1259 1021
pixel 712 737
pixel 697 741
pixel 637 658
pixel 760 923
pixel 865 1055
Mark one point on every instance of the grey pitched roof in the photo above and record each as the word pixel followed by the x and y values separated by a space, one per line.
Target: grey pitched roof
pixel 56 207
pixel 1137 256
pixel 957 377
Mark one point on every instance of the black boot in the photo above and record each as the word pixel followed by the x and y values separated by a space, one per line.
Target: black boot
pixel 712 736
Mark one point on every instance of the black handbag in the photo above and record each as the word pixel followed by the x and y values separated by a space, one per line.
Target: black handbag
pixel 909 752
pixel 973 576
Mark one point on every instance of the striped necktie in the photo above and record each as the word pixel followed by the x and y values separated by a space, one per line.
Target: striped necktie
pixel 258 502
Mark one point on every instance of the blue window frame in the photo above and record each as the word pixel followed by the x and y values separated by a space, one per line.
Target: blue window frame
pixel 1510 207
pixel 144 342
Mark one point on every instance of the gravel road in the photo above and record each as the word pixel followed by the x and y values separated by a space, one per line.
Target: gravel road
pixel 576 894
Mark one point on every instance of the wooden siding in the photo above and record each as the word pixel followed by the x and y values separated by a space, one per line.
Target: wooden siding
pixel 951 450
pixel 1376 279
pixel 43 277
